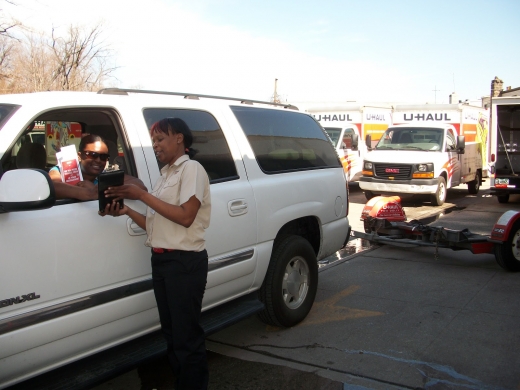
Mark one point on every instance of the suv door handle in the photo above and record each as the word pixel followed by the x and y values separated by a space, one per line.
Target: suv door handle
pixel 237 207
pixel 133 228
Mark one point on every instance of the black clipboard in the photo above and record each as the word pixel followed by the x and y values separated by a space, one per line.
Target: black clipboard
pixel 109 179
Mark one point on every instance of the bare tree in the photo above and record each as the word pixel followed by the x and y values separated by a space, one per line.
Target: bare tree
pixel 32 66
pixel 81 59
pixel 6 25
pixel 78 61
pixel 7 43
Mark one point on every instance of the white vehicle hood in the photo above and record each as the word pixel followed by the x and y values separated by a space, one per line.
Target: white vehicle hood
pixel 401 156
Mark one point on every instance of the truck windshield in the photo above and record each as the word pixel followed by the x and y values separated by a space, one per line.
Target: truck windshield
pixel 412 138
pixel 334 133
pixel 6 110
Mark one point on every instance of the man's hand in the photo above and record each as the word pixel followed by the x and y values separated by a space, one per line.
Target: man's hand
pixel 89 190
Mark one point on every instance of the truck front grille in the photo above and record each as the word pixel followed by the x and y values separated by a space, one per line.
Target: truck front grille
pixel 396 171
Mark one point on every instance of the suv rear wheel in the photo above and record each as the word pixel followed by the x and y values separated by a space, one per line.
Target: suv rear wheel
pixel 290 284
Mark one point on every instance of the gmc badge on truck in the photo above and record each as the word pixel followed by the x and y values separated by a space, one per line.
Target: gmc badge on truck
pixel 17 300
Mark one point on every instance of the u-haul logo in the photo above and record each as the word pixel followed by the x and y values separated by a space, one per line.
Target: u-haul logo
pixel 434 117
pixel 332 117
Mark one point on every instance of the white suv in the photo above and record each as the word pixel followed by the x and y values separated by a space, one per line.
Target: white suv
pixel 74 284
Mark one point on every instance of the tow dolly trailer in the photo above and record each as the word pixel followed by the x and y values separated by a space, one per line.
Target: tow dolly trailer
pixel 504 240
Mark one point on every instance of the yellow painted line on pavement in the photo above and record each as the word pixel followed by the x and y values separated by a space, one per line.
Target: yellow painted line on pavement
pixel 329 311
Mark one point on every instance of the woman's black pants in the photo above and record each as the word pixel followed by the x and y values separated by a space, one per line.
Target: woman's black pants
pixel 179 282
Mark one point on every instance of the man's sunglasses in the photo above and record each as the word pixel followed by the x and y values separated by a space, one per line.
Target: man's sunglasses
pixel 95 155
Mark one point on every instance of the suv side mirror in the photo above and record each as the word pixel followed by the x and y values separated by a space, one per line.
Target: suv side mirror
pixel 26 189
pixel 355 141
pixel 368 141
pixel 461 144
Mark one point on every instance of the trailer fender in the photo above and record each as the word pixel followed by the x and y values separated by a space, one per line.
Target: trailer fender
pixel 503 226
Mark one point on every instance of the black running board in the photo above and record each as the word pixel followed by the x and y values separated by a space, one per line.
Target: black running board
pixel 105 365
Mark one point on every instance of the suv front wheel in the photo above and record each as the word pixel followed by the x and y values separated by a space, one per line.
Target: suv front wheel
pixel 290 284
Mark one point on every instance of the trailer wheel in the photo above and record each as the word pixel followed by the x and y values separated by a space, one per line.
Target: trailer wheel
pixel 439 197
pixel 503 198
pixel 474 185
pixel 290 284
pixel 508 253
pixel 369 195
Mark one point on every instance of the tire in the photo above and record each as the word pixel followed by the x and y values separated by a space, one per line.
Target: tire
pixel 369 195
pixel 503 198
pixel 439 197
pixel 474 185
pixel 508 253
pixel 290 283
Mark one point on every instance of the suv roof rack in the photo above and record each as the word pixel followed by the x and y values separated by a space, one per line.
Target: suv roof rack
pixel 195 96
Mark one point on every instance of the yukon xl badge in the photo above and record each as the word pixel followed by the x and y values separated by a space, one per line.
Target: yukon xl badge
pixel 17 300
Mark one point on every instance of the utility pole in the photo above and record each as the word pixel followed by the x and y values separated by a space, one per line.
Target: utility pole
pixel 436 90
pixel 276 97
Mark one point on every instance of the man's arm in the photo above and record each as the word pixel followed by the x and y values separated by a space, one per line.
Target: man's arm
pixel 67 191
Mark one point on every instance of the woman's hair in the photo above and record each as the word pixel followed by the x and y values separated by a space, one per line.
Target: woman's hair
pixel 174 126
pixel 89 139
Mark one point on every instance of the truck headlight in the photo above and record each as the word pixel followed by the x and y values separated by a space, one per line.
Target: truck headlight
pixel 367 169
pixel 423 171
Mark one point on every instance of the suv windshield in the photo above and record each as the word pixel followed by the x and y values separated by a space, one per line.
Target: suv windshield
pixel 6 110
pixel 411 138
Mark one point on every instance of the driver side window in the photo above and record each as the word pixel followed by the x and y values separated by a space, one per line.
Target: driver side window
pixel 451 143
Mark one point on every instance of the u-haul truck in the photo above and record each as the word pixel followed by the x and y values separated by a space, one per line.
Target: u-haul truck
pixel 429 149
pixel 347 126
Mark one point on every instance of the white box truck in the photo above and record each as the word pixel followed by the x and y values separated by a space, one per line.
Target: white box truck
pixel 429 149
pixel 347 126
pixel 505 147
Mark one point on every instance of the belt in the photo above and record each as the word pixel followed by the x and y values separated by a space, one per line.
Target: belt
pixel 161 250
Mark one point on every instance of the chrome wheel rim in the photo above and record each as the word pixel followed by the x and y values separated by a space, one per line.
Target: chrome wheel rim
pixel 295 282
pixel 442 192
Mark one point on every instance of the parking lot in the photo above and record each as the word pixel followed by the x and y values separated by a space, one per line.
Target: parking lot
pixel 384 318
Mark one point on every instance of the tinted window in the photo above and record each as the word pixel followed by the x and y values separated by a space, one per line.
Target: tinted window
pixel 209 142
pixel 286 140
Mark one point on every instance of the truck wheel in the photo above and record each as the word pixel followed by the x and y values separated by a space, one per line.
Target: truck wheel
pixel 290 283
pixel 508 253
pixel 439 197
pixel 503 198
pixel 369 195
pixel 474 185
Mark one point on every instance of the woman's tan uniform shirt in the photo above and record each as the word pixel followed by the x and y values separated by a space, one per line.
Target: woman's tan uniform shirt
pixel 177 184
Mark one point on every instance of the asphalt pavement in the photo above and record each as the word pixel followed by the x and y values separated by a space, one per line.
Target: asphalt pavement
pixel 384 318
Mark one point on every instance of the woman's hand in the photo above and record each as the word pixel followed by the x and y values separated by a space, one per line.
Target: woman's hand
pixel 114 209
pixel 126 191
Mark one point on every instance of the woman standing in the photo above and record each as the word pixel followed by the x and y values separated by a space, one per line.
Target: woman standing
pixel 178 213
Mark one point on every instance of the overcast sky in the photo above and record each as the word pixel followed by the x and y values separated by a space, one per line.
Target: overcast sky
pixel 414 51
